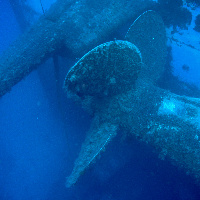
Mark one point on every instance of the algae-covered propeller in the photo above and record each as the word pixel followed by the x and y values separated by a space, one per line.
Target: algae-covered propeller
pixel 101 78
pixel 106 71
pixel 118 88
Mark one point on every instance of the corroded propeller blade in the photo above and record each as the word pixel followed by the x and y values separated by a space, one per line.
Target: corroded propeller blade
pixel 107 75
pixel 98 137
pixel 109 69
pixel 148 33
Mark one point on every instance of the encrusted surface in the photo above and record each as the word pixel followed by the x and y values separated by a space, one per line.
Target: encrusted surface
pixel 107 70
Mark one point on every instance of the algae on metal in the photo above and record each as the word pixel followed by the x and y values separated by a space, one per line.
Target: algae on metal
pixel 109 69
pixel 106 71
pixel 168 122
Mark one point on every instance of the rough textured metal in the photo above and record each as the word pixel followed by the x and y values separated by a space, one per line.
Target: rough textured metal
pixel 97 139
pixel 168 122
pixel 106 71
pixel 109 69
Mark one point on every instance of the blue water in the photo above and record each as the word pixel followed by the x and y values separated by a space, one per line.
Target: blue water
pixel 41 132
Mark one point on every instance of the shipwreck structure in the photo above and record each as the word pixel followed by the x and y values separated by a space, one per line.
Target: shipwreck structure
pixel 115 82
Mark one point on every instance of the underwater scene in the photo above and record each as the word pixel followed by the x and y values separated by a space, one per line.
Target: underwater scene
pixel 100 99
